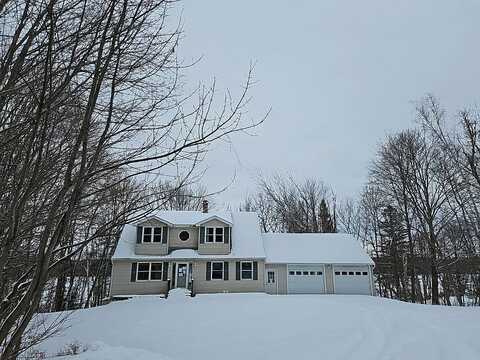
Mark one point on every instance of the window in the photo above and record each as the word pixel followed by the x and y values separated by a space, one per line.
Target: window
pixel 219 235
pixel 344 273
pixel 214 234
pixel 319 273
pixel 152 234
pixel 147 234
pixel 351 273
pixel 270 277
pixel 312 272
pixel 291 273
pixel 149 271
pixel 337 272
pixel 298 273
pixel 358 273
pixel 246 270
pixel 156 271
pixel 305 273
pixel 217 270
pixel 184 235
pixel 157 234
pixel 365 273
pixel 143 271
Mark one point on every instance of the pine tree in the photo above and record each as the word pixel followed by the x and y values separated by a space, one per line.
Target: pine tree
pixel 394 245
pixel 327 225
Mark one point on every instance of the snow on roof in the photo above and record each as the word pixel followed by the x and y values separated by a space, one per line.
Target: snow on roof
pixel 246 237
pixel 189 217
pixel 314 248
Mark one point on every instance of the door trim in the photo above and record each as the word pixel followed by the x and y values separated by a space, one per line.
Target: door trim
pixel 186 274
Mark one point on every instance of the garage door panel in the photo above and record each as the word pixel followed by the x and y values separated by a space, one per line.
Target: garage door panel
pixel 351 280
pixel 305 279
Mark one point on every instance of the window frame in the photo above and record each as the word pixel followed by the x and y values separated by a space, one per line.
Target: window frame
pixel 143 272
pixel 152 234
pixel 149 272
pixel 182 231
pixel 214 235
pixel 212 270
pixel 241 270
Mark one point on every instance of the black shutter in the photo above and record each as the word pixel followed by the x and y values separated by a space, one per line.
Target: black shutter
pixel 238 270
pixel 202 234
pixel 226 234
pixel 225 270
pixel 133 276
pixel 165 271
pixel 255 270
pixel 139 234
pixel 165 234
pixel 208 274
pixel 173 275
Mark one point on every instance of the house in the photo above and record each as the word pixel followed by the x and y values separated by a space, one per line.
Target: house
pixel 212 252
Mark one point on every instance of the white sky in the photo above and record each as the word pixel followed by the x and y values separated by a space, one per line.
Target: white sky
pixel 339 75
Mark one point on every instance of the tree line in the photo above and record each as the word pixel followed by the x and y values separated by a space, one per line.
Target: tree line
pixel 418 214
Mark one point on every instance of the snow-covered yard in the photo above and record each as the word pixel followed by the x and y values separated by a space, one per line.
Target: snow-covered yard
pixel 260 326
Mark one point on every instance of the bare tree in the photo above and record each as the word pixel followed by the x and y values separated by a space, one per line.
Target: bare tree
pixel 90 98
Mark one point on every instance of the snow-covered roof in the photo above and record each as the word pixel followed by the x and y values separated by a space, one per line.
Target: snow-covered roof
pixel 182 218
pixel 246 237
pixel 314 248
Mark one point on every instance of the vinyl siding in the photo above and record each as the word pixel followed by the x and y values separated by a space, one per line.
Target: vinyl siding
pixel 151 249
pixel 281 277
pixel 121 284
pixel 176 243
pixel 201 285
pixel 329 279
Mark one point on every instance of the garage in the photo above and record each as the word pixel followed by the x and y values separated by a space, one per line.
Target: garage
pixel 306 279
pixel 352 280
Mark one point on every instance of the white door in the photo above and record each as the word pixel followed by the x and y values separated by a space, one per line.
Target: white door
pixel 306 279
pixel 271 285
pixel 352 280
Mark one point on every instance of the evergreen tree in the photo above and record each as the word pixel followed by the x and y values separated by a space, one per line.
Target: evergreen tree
pixel 327 225
pixel 394 245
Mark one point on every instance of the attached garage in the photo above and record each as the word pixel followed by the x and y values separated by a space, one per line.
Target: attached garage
pixel 352 280
pixel 305 279
pixel 316 264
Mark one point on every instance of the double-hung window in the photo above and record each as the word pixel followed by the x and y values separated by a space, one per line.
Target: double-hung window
pixel 217 270
pixel 152 234
pixel 156 271
pixel 214 234
pixel 246 270
pixel 143 271
pixel 149 271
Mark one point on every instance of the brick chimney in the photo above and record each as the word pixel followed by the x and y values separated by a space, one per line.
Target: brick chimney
pixel 205 206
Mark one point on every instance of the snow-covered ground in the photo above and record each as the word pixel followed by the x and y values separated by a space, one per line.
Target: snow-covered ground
pixel 260 326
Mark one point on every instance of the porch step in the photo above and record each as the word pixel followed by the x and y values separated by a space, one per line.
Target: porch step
pixel 178 293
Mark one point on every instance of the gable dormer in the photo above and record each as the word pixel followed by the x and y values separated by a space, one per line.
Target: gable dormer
pixel 152 237
pixel 215 236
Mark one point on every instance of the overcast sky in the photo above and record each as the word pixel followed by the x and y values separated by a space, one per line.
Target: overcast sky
pixel 339 76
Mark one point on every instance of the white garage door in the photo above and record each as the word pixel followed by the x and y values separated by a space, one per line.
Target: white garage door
pixel 306 279
pixel 352 280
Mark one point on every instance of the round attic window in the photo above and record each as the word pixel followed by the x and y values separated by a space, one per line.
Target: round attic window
pixel 184 235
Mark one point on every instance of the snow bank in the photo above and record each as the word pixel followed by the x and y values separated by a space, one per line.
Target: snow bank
pixel 260 326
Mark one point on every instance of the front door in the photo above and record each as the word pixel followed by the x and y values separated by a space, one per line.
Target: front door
pixel 182 270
